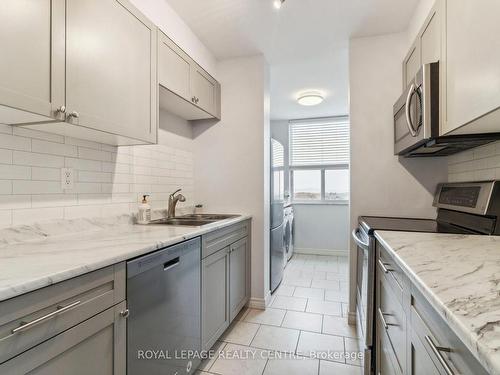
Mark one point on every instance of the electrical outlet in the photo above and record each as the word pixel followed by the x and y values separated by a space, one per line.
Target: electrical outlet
pixel 67 182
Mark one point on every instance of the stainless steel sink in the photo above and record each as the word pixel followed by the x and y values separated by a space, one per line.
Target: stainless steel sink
pixel 183 221
pixel 215 217
pixel 193 220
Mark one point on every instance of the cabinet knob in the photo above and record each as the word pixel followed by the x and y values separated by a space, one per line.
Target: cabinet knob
pixel 74 114
pixel 193 99
pixel 125 313
pixel 197 100
pixel 61 109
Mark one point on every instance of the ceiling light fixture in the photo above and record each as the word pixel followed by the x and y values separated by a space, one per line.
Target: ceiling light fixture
pixel 310 98
pixel 278 3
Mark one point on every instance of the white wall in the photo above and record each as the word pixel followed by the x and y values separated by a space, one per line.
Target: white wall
pixel 167 20
pixel 232 157
pixel 381 183
pixel 322 228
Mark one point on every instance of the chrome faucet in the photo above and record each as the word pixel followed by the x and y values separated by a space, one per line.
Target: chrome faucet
pixel 172 202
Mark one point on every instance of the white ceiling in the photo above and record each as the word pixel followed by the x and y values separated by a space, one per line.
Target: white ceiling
pixel 306 42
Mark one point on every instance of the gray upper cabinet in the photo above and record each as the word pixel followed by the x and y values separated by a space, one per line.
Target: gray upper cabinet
pixel 462 36
pixel 83 68
pixel 473 66
pixel 32 63
pixel 174 70
pixel 186 89
pixel 411 64
pixel 111 68
pixel 204 89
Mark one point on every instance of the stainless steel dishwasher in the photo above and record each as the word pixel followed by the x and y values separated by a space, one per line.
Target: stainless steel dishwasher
pixel 163 299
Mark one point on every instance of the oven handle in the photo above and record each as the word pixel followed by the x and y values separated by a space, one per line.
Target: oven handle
pixel 359 241
pixel 411 91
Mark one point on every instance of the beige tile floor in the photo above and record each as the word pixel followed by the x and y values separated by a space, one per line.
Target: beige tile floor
pixel 303 331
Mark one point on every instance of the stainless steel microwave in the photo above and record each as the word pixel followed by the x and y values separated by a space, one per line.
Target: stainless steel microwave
pixel 417 120
pixel 416 113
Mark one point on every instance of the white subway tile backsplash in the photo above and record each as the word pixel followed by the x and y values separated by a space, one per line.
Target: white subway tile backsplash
pixel 36 187
pixel 89 153
pixel 46 174
pixel 86 187
pixel 85 176
pixel 5 129
pixel 37 160
pixel 5 156
pixel 23 132
pixel 53 148
pixel 12 142
pixel 481 163
pixel 109 180
pixel 14 172
pixel 5 187
pixel 83 165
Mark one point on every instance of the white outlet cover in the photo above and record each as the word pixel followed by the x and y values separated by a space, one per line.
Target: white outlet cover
pixel 67 178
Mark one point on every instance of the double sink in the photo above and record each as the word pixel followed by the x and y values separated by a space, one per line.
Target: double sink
pixel 194 220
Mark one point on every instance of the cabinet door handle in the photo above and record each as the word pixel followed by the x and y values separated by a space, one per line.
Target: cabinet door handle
pixel 60 309
pixel 384 322
pixel 125 313
pixel 437 350
pixel 61 109
pixel 384 268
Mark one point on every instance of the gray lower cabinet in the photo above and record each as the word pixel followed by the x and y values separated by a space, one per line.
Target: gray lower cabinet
pixel 225 274
pixel 95 346
pixel 77 326
pixel 215 291
pixel 238 277
pixel 411 336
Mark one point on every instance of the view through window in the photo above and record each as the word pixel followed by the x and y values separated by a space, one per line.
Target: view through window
pixel 319 159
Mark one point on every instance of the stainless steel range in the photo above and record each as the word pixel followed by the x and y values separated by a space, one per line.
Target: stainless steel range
pixel 466 208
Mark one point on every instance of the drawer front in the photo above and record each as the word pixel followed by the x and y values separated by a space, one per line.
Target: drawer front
pixel 387 363
pixel 392 317
pixel 395 277
pixel 432 329
pixel 32 318
pixel 214 241
pixel 96 346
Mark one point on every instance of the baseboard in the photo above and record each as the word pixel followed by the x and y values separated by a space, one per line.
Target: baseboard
pixel 330 252
pixel 260 303
pixel 351 318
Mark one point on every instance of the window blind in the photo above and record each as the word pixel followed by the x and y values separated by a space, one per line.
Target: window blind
pixel 319 142
pixel 278 154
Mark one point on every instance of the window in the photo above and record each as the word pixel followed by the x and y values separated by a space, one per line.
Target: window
pixel 319 159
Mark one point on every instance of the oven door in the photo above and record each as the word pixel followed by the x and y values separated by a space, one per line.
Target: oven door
pixel 365 294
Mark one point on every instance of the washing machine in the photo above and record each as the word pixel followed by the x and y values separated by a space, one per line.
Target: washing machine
pixel 289 232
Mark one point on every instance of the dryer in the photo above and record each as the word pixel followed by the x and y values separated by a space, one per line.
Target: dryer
pixel 289 231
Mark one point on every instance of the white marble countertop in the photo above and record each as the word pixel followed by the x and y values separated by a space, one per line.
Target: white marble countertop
pixel 32 257
pixel 460 277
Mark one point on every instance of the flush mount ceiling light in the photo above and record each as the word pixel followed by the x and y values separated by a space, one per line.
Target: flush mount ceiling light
pixel 310 98
pixel 278 3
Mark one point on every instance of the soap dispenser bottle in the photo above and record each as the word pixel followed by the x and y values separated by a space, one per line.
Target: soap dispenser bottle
pixel 144 214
